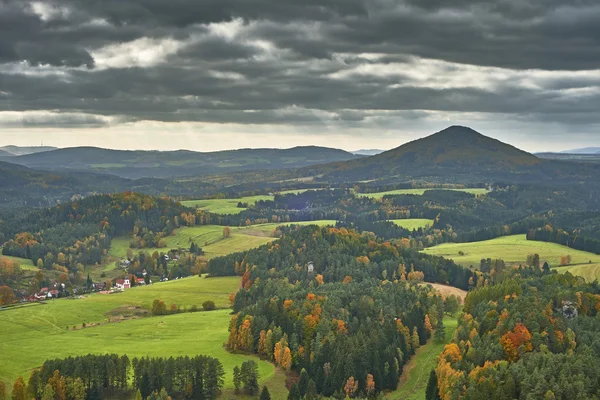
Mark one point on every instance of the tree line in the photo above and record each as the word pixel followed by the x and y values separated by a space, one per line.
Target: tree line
pixel 95 377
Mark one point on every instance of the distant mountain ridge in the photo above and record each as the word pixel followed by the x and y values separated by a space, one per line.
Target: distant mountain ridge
pixel 367 152
pixel 22 150
pixel 167 164
pixel 583 150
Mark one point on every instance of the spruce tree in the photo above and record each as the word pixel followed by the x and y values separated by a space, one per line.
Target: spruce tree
pixel 431 393
pixel 264 394
pixel 440 332
pixel 311 392
pixel 303 382
pixel 237 379
pixel 294 393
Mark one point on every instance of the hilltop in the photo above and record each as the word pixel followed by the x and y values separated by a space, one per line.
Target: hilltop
pixel 22 150
pixel 166 164
pixel 455 154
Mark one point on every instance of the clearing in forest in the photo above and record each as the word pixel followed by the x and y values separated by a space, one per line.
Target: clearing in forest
pixel 416 374
pixel 413 223
pixel 32 334
pixel 230 206
pixel 418 192
pixel 515 249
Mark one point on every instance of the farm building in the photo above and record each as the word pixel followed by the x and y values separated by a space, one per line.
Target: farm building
pixel 123 284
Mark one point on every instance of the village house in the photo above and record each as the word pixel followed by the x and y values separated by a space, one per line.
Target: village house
pixel 123 284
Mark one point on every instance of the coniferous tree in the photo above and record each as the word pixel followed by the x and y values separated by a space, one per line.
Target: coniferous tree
pixel 294 393
pixel 440 332
pixel 264 394
pixel 249 376
pixel 311 391
pixel 237 379
pixel 431 393
pixel 303 382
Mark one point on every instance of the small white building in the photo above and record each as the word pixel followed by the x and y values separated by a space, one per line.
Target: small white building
pixel 123 284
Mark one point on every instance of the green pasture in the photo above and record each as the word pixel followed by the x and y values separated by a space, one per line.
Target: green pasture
pixel 224 206
pixel 27 343
pixel 416 374
pixel 35 333
pixel 24 263
pixel 590 272
pixel 413 223
pixel 512 249
pixel 418 192
pixel 210 238
pixel 229 206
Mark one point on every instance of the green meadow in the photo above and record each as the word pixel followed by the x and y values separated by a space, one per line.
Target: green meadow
pixel 418 192
pixel 224 206
pixel 32 334
pixel 210 238
pixel 416 374
pixel 229 206
pixel 413 223
pixel 514 250
pixel 590 272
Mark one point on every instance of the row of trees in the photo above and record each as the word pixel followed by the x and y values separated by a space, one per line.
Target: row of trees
pixel 99 376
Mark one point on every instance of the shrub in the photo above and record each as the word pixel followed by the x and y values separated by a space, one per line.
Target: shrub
pixel 209 305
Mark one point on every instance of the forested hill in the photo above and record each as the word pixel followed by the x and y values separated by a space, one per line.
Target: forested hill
pixel 81 229
pixel 137 164
pixel 528 335
pixel 457 155
pixel 352 322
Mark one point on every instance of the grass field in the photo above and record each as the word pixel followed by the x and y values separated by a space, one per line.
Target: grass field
pixel 416 374
pixel 418 192
pixel 229 206
pixel 28 343
pixel 413 223
pixel 210 238
pixel 224 206
pixel 513 250
pixel 590 272
pixel 24 263
pixel 32 334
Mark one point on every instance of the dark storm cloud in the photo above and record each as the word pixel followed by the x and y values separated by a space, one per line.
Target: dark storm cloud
pixel 286 61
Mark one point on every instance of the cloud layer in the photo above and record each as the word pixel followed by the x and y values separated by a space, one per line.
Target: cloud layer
pixel 344 67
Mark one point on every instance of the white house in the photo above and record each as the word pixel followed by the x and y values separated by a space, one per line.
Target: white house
pixel 123 284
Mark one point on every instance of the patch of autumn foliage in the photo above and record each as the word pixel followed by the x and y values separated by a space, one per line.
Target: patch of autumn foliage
pixel 512 341
pixel 448 377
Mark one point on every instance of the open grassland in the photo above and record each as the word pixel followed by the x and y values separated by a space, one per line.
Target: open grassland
pixel 32 334
pixel 512 249
pixel 229 206
pixel 28 342
pixel 418 192
pixel 446 290
pixel 590 272
pixel 224 206
pixel 24 263
pixel 413 223
pixel 416 374
pixel 62 313
pixel 210 238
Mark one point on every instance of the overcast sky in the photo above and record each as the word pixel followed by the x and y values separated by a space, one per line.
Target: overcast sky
pixel 221 74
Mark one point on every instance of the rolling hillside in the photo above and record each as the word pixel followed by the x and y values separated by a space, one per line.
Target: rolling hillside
pixel 456 154
pixel 163 164
pixel 22 150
